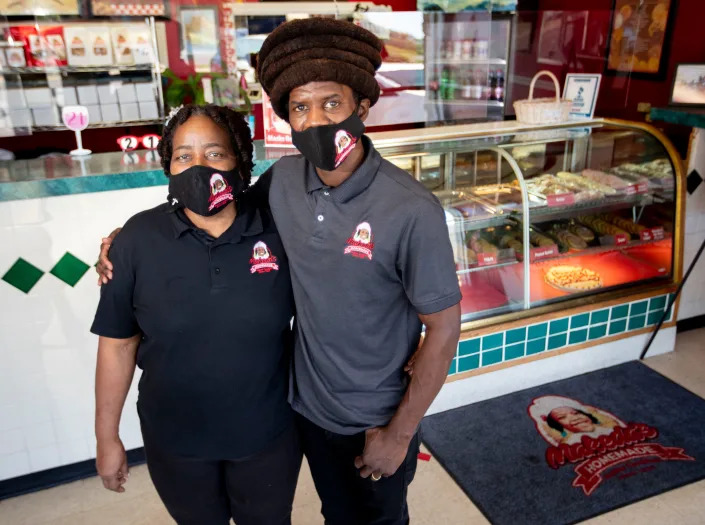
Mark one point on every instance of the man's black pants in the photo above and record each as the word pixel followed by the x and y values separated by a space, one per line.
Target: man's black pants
pixel 347 498
pixel 257 490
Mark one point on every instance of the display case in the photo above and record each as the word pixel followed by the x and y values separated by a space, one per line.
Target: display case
pixel 541 216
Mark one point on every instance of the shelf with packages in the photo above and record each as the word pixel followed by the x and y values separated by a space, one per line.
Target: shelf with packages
pixel 75 69
pixel 592 213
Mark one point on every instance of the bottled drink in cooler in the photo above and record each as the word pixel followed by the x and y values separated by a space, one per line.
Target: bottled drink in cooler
pixel 493 86
pixel 478 83
pixel 499 90
pixel 445 82
pixel 466 92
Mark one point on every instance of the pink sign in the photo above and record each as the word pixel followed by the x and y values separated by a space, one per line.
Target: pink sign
pixel 621 239
pixel 277 133
pixel 658 233
pixel 75 117
pixel 642 187
pixel 560 199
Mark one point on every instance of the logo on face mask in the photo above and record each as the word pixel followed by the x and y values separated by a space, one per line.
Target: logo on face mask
pixel 262 259
pixel 344 144
pixel 360 245
pixel 221 192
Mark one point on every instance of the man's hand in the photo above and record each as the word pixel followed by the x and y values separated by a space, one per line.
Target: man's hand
pixel 384 453
pixel 111 463
pixel 104 266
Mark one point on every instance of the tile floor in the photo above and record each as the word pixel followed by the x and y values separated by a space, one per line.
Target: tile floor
pixel 434 498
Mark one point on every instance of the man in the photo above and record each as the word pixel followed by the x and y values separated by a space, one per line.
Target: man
pixel 358 319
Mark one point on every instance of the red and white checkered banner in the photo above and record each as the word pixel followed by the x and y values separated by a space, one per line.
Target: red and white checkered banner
pixel 129 9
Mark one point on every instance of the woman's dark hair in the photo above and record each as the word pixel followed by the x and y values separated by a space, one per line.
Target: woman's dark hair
pixel 555 425
pixel 231 121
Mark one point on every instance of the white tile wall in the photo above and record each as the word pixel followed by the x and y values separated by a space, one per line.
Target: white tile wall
pixel 692 301
pixel 47 354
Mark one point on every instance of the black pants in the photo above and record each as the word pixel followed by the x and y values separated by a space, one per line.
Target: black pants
pixel 347 498
pixel 257 490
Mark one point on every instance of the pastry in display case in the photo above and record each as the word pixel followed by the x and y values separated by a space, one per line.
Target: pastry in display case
pixel 555 222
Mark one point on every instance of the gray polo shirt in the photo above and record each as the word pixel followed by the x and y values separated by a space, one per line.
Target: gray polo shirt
pixel 366 258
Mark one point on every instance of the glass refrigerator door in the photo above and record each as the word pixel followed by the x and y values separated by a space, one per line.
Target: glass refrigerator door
pixel 602 207
pixel 480 191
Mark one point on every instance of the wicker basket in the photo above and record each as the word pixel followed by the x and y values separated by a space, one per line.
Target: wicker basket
pixel 543 110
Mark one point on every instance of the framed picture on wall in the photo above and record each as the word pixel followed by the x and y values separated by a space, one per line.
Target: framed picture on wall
pixel 199 37
pixel 639 37
pixel 688 85
pixel 39 7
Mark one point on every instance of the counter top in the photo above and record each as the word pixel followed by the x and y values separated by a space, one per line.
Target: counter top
pixel 66 175
pixel 693 117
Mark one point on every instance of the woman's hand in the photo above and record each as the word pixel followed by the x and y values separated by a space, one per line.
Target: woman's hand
pixel 104 266
pixel 111 463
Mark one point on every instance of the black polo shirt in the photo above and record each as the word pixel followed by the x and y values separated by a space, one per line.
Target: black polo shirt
pixel 367 257
pixel 215 318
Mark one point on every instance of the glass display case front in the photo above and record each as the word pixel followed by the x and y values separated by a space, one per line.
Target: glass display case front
pixel 540 216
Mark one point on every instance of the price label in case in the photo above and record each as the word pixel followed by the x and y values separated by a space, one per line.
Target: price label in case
pixel 658 233
pixel 642 187
pixel 486 259
pixel 560 199
pixel 646 236
pixel 543 252
pixel 621 239
pixel 75 117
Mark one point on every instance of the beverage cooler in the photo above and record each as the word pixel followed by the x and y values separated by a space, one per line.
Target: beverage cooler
pixel 467 62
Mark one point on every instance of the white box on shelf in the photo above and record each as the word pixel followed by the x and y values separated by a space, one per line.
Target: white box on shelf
pixel 21 118
pixel 110 112
pixel 87 94
pixel 16 98
pixel 66 96
pixel 38 97
pixel 145 91
pixel 130 111
pixel 47 116
pixel 149 110
pixel 107 93
pixel 94 114
pixel 127 93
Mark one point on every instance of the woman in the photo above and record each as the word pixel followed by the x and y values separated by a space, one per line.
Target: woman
pixel 209 325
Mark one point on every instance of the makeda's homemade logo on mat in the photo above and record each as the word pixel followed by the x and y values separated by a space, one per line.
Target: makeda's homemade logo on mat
pixel 596 441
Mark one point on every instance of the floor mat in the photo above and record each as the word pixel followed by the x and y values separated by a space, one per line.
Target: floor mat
pixel 572 449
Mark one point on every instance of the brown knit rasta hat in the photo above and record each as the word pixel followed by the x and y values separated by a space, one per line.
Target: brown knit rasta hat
pixel 318 50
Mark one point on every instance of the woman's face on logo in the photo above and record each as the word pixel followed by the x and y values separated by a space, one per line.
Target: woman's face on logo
pixel 572 420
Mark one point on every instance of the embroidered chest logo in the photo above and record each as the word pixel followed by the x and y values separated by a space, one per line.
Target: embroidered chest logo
pixel 360 245
pixel 221 192
pixel 262 259
pixel 600 445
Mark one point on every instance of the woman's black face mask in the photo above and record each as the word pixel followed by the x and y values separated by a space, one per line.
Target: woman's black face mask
pixel 204 190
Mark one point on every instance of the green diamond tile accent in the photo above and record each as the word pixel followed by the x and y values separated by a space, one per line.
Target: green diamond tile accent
pixel 538 330
pixel 490 342
pixel 639 308
pixel 620 312
pixel 598 331
pixel 600 316
pixel 578 336
pixel 657 303
pixel 653 318
pixel 492 358
pixel 637 322
pixel 617 327
pixel 536 346
pixel 514 351
pixel 453 367
pixel 468 347
pixel 468 363
pixel 516 336
pixel 69 269
pixel 578 321
pixel 557 341
pixel 23 275
pixel 558 326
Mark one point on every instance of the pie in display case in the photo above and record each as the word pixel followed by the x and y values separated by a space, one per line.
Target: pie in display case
pixel 541 216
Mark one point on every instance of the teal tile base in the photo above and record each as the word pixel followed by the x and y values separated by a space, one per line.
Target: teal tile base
pixel 556 334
